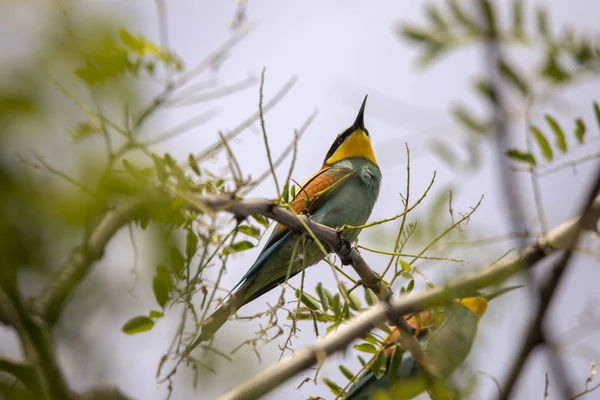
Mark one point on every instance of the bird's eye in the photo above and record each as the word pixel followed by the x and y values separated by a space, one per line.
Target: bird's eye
pixel 340 140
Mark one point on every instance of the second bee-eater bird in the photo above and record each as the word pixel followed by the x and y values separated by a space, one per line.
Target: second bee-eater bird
pixel 447 343
pixel 342 192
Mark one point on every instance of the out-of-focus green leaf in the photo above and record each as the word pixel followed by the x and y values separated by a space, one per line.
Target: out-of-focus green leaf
pixel 370 297
pixel 137 324
pixel 155 314
pixel 461 17
pixel 361 360
pixel 191 244
pixel 561 142
pixel 466 118
pixel 322 296
pixel 552 69
pixel 193 163
pixel 486 90
pixel 249 230
pixel 490 18
pixel 411 286
pixel 415 34
pixel 161 290
pixel 262 220
pixel 336 305
pixel 237 247
pixel 405 265
pixel 517 19
pixel 346 372
pixel 509 73
pixel 522 156
pixel 83 131
pixel 597 113
pixel 365 348
pixel 378 365
pixel 579 130
pixel 307 300
pixel 335 389
pixel 161 170
pixel 542 143
pixel 436 18
pixel 431 53
pixel 397 354
pixel 542 21
pixel 177 260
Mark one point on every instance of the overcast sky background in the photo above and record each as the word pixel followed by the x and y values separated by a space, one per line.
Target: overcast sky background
pixel 340 51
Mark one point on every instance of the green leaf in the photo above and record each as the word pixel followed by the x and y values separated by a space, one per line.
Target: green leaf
pixel 346 372
pixel 307 300
pixel 371 339
pixel 542 21
pixel 248 230
pixel 155 314
pixel 436 18
pixel 432 51
pixel 461 16
pixel 285 195
pixel 262 220
pixel 161 290
pixel 83 131
pixel 579 130
pixel 137 325
pixel 542 143
pixel 361 360
pixel 322 296
pixel 465 118
pixel 517 18
pixel 193 163
pixel 513 77
pixel 191 243
pixel 415 34
pixel 522 156
pixel 561 142
pixel 335 389
pixel 365 348
pixel 552 69
pixel 336 305
pixel 378 365
pixel 411 286
pixel 485 88
pixel 490 19
pixel 370 297
pixel 237 247
pixel 405 265
pixel 177 260
pixel 597 113
pixel 161 170
pixel 397 354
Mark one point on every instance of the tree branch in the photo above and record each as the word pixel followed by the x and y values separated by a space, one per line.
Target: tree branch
pixel 535 333
pixel 562 237
pixel 66 280
pixel 332 237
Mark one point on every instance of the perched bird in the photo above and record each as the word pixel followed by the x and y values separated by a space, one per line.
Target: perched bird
pixel 342 192
pixel 447 343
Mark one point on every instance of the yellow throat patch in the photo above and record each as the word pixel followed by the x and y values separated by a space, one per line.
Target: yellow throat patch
pixel 357 145
pixel 477 305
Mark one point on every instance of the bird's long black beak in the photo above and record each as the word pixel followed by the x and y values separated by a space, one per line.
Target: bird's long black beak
pixel 359 123
pixel 500 292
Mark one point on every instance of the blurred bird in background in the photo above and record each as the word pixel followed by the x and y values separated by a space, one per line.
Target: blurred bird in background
pixel 342 192
pixel 447 341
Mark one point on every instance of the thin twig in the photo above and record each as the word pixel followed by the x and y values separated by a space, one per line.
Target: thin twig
pixel 264 132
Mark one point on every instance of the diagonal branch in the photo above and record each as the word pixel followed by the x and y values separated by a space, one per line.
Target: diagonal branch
pixel 330 236
pixel 561 237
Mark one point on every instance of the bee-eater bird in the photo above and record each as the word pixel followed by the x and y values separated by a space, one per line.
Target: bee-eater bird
pixel 342 192
pixel 447 343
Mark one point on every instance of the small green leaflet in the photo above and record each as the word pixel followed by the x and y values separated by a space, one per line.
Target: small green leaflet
pixel 249 230
pixel 237 247
pixel 542 143
pixel 366 348
pixel 335 389
pixel 579 130
pixel 137 324
pixel 522 156
pixel 561 142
